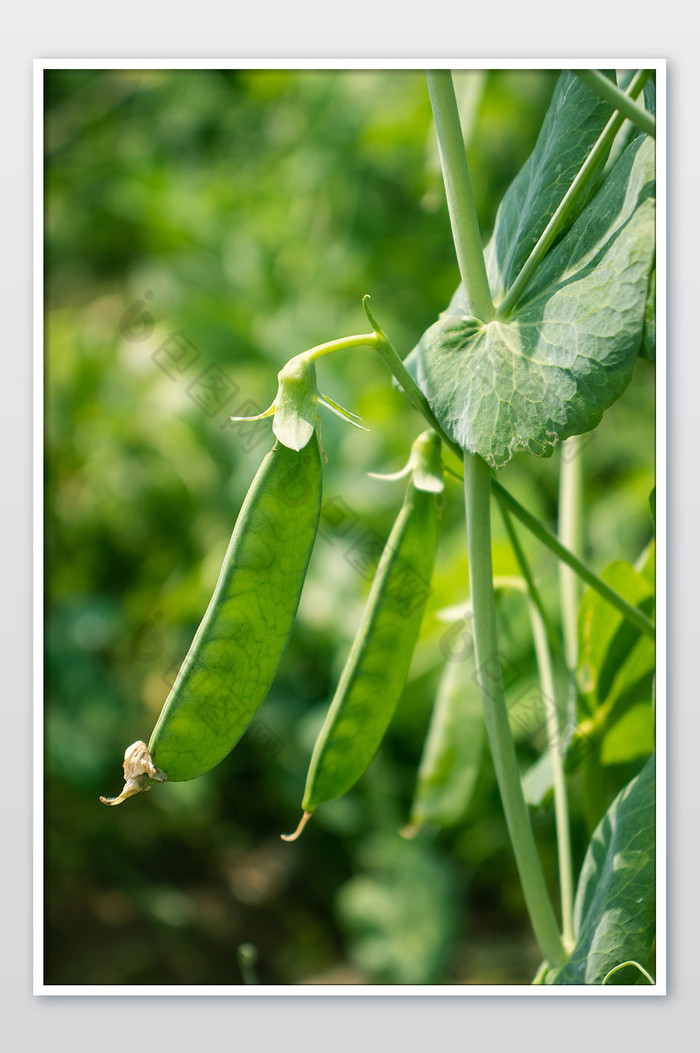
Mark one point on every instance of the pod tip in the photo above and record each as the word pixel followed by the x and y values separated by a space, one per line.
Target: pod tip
pixel 297 833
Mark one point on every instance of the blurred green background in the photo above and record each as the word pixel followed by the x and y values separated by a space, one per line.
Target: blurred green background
pixel 202 227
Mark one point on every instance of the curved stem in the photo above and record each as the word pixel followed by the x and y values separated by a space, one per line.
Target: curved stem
pixel 477 500
pixel 360 340
pixel 460 197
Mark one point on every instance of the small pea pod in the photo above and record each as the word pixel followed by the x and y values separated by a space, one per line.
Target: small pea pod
pixel 451 756
pixel 237 648
pixel 377 667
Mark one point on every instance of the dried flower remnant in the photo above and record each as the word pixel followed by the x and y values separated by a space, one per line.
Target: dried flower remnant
pixel 139 773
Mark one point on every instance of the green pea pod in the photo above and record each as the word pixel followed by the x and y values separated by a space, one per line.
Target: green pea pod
pixel 237 648
pixel 452 753
pixel 377 667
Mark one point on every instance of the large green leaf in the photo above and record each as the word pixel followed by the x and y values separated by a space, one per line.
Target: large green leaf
pixel 575 118
pixel 615 900
pixel 550 369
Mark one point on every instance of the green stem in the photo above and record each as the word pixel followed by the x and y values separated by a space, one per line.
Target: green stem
pixel 632 614
pixel 556 747
pixel 570 201
pixel 460 197
pixel 247 954
pixel 622 102
pixel 477 499
pixel 570 531
pixel 390 357
pixel 532 589
pixel 361 340
pixel 541 631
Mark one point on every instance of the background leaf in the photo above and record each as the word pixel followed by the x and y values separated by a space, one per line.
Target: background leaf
pixel 629 737
pixel 453 747
pixel 400 913
pixel 538 781
pixel 614 908
pixel 616 661
pixel 615 674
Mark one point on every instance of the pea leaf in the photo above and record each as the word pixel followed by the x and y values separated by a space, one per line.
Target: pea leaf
pixel 615 899
pixel 538 781
pixel 616 662
pixel 648 348
pixel 566 353
pixel 574 120
pixel 652 506
pixel 646 564
pixel 650 96
pixel 616 665
pixel 630 737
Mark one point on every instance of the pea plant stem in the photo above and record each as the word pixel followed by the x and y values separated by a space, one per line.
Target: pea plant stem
pixel 460 199
pixel 478 516
pixel 478 486
pixel 359 340
pixel 556 746
pixel 529 580
pixel 477 492
pixel 542 632
pixel 622 102
pixel 571 200
pixel 570 532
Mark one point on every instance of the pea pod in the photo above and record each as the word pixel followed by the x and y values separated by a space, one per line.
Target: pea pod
pixel 237 648
pixel 452 753
pixel 376 669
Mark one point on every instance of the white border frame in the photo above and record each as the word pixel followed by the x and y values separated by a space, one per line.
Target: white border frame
pixel 39 987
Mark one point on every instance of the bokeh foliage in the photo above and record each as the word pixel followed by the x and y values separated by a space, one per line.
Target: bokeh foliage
pixel 241 215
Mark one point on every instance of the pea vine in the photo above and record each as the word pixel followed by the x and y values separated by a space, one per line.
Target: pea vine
pixel 539 339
